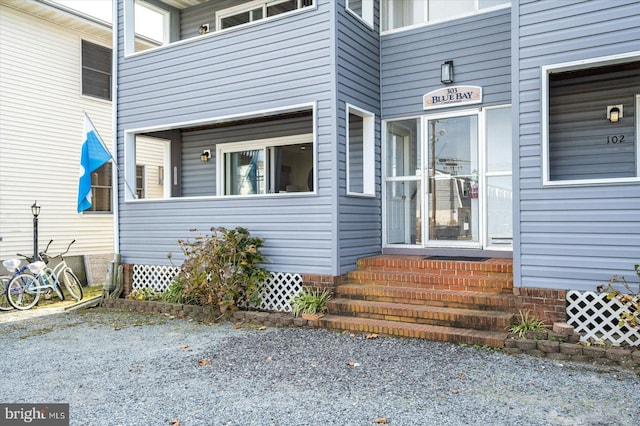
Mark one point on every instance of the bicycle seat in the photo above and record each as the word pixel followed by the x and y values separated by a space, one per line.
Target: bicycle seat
pixel 36 267
pixel 11 264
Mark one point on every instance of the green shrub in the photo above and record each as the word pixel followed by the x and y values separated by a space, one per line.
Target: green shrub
pixel 310 301
pixel 145 293
pixel 222 270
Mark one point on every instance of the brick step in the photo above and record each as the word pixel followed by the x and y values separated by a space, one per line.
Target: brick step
pixel 419 264
pixel 451 280
pixel 413 330
pixel 422 314
pixel 432 297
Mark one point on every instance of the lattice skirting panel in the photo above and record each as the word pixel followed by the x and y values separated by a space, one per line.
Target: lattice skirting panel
pixel 595 317
pixel 156 277
pixel 279 289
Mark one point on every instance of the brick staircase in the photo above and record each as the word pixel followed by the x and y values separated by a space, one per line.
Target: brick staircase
pixel 461 301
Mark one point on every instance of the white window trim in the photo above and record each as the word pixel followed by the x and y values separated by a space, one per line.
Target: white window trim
pixel 368 154
pixel 453 18
pixel 263 4
pixel 129 27
pixel 258 144
pixel 367 12
pixel 546 71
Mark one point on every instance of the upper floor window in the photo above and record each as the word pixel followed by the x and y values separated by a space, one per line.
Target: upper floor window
pixel 403 13
pixel 363 9
pixel 96 70
pixel 256 10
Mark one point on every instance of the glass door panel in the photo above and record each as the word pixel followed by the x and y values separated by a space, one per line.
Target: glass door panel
pixel 404 224
pixel 452 198
pixel 403 211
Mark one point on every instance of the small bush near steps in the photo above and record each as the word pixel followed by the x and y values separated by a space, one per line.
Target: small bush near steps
pixel 222 270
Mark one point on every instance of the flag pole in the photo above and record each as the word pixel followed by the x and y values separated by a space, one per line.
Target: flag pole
pixel 115 163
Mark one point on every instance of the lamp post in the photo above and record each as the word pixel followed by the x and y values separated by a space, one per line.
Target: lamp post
pixel 35 211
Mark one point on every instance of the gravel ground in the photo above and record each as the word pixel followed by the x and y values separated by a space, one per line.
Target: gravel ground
pixel 121 368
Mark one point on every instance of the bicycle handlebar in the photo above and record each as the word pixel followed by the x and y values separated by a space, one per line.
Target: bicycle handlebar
pixel 44 255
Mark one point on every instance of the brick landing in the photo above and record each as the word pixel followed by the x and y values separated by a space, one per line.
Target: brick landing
pixel 460 301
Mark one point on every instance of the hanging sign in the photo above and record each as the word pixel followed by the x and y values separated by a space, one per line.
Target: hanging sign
pixel 452 96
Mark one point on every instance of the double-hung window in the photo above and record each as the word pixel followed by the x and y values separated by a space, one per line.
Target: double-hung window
pixel 101 189
pixel 96 70
pixel 267 166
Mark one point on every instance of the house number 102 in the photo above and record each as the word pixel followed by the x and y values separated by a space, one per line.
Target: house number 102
pixel 615 139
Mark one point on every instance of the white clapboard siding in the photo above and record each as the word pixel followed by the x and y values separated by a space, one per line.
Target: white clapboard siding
pixel 41 133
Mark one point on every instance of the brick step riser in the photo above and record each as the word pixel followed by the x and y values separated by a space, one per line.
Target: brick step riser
pixel 457 321
pixel 438 286
pixel 436 267
pixel 433 271
pixel 418 334
pixel 455 282
pixel 436 300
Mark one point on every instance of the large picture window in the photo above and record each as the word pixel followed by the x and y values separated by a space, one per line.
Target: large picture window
pixel 590 132
pixel 96 70
pixel 267 166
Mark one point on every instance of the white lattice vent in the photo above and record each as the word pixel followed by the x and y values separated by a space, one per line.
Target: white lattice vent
pixel 281 286
pixel 157 277
pixel 595 317
pixel 279 289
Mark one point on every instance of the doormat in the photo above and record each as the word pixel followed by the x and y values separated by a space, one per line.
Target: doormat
pixel 461 259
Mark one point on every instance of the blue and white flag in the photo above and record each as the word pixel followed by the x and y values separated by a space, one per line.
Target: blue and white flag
pixel 93 156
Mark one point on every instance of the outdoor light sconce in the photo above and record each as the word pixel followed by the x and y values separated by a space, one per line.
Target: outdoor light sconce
pixel 206 154
pixel 614 113
pixel 446 72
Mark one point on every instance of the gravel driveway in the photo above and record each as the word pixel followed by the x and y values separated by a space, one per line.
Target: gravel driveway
pixel 121 368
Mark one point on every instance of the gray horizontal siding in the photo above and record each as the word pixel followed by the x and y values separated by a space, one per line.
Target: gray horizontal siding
pixel 479 46
pixel 358 84
pixel 571 237
pixel 268 65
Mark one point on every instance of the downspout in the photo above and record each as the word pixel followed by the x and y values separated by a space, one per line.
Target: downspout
pixel 114 124
pixel 115 275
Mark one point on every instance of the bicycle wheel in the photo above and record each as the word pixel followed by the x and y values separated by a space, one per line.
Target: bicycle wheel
pixel 20 292
pixel 72 283
pixel 4 302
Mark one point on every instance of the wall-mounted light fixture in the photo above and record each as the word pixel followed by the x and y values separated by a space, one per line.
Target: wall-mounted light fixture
pixel 446 72
pixel 204 28
pixel 614 113
pixel 206 154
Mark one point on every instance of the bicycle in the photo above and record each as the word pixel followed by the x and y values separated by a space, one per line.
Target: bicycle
pixel 24 290
pixel 69 279
pixel 13 266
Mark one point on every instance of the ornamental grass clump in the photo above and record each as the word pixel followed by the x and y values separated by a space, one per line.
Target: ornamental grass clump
pixel 222 270
pixel 527 323
pixel 310 301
